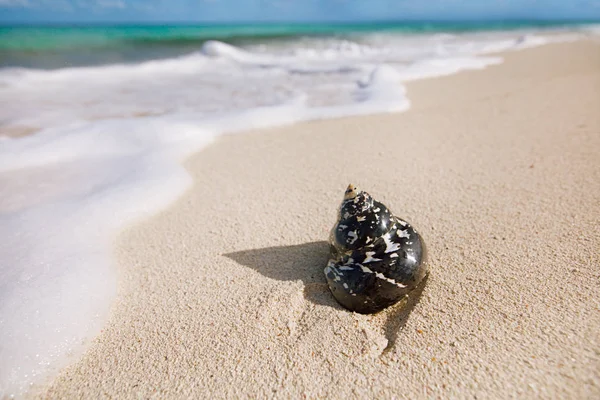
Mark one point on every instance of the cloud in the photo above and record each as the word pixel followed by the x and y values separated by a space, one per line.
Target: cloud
pixel 63 4
pixel 35 5
pixel 15 3
pixel 111 4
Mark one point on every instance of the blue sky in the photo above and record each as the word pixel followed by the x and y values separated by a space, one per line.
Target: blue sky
pixel 289 10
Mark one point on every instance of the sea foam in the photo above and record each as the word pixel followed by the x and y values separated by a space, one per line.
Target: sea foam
pixel 109 147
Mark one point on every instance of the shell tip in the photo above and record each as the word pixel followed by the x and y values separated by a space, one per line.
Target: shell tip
pixel 351 192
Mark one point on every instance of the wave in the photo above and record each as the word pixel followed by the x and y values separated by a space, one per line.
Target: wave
pixel 56 38
pixel 52 47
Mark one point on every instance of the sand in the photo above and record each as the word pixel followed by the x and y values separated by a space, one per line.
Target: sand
pixel 223 294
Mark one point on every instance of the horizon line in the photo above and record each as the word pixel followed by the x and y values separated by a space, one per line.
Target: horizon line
pixel 298 22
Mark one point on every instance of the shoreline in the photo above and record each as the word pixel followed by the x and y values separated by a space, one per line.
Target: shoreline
pixel 291 311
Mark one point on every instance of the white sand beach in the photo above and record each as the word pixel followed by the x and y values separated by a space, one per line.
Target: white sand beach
pixel 223 295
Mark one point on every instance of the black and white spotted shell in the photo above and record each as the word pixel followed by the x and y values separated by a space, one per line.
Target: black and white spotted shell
pixel 376 258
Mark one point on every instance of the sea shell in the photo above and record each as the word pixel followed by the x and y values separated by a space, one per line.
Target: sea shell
pixel 376 258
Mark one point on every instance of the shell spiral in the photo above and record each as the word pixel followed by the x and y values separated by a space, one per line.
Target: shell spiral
pixel 376 257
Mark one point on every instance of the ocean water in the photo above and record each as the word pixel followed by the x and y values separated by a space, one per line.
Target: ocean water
pixel 114 111
pixel 62 46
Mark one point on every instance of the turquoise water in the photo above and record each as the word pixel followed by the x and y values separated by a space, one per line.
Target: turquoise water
pixel 58 46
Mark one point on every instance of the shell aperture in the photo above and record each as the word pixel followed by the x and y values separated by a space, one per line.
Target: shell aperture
pixel 376 257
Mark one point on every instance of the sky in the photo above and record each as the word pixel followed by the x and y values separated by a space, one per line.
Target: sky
pixel 83 11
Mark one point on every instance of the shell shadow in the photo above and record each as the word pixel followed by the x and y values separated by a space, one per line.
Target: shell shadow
pixel 303 262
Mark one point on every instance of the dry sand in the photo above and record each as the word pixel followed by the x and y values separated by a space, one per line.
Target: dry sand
pixel 223 295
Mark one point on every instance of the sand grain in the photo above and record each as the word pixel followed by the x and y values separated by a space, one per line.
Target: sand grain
pixel 223 295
